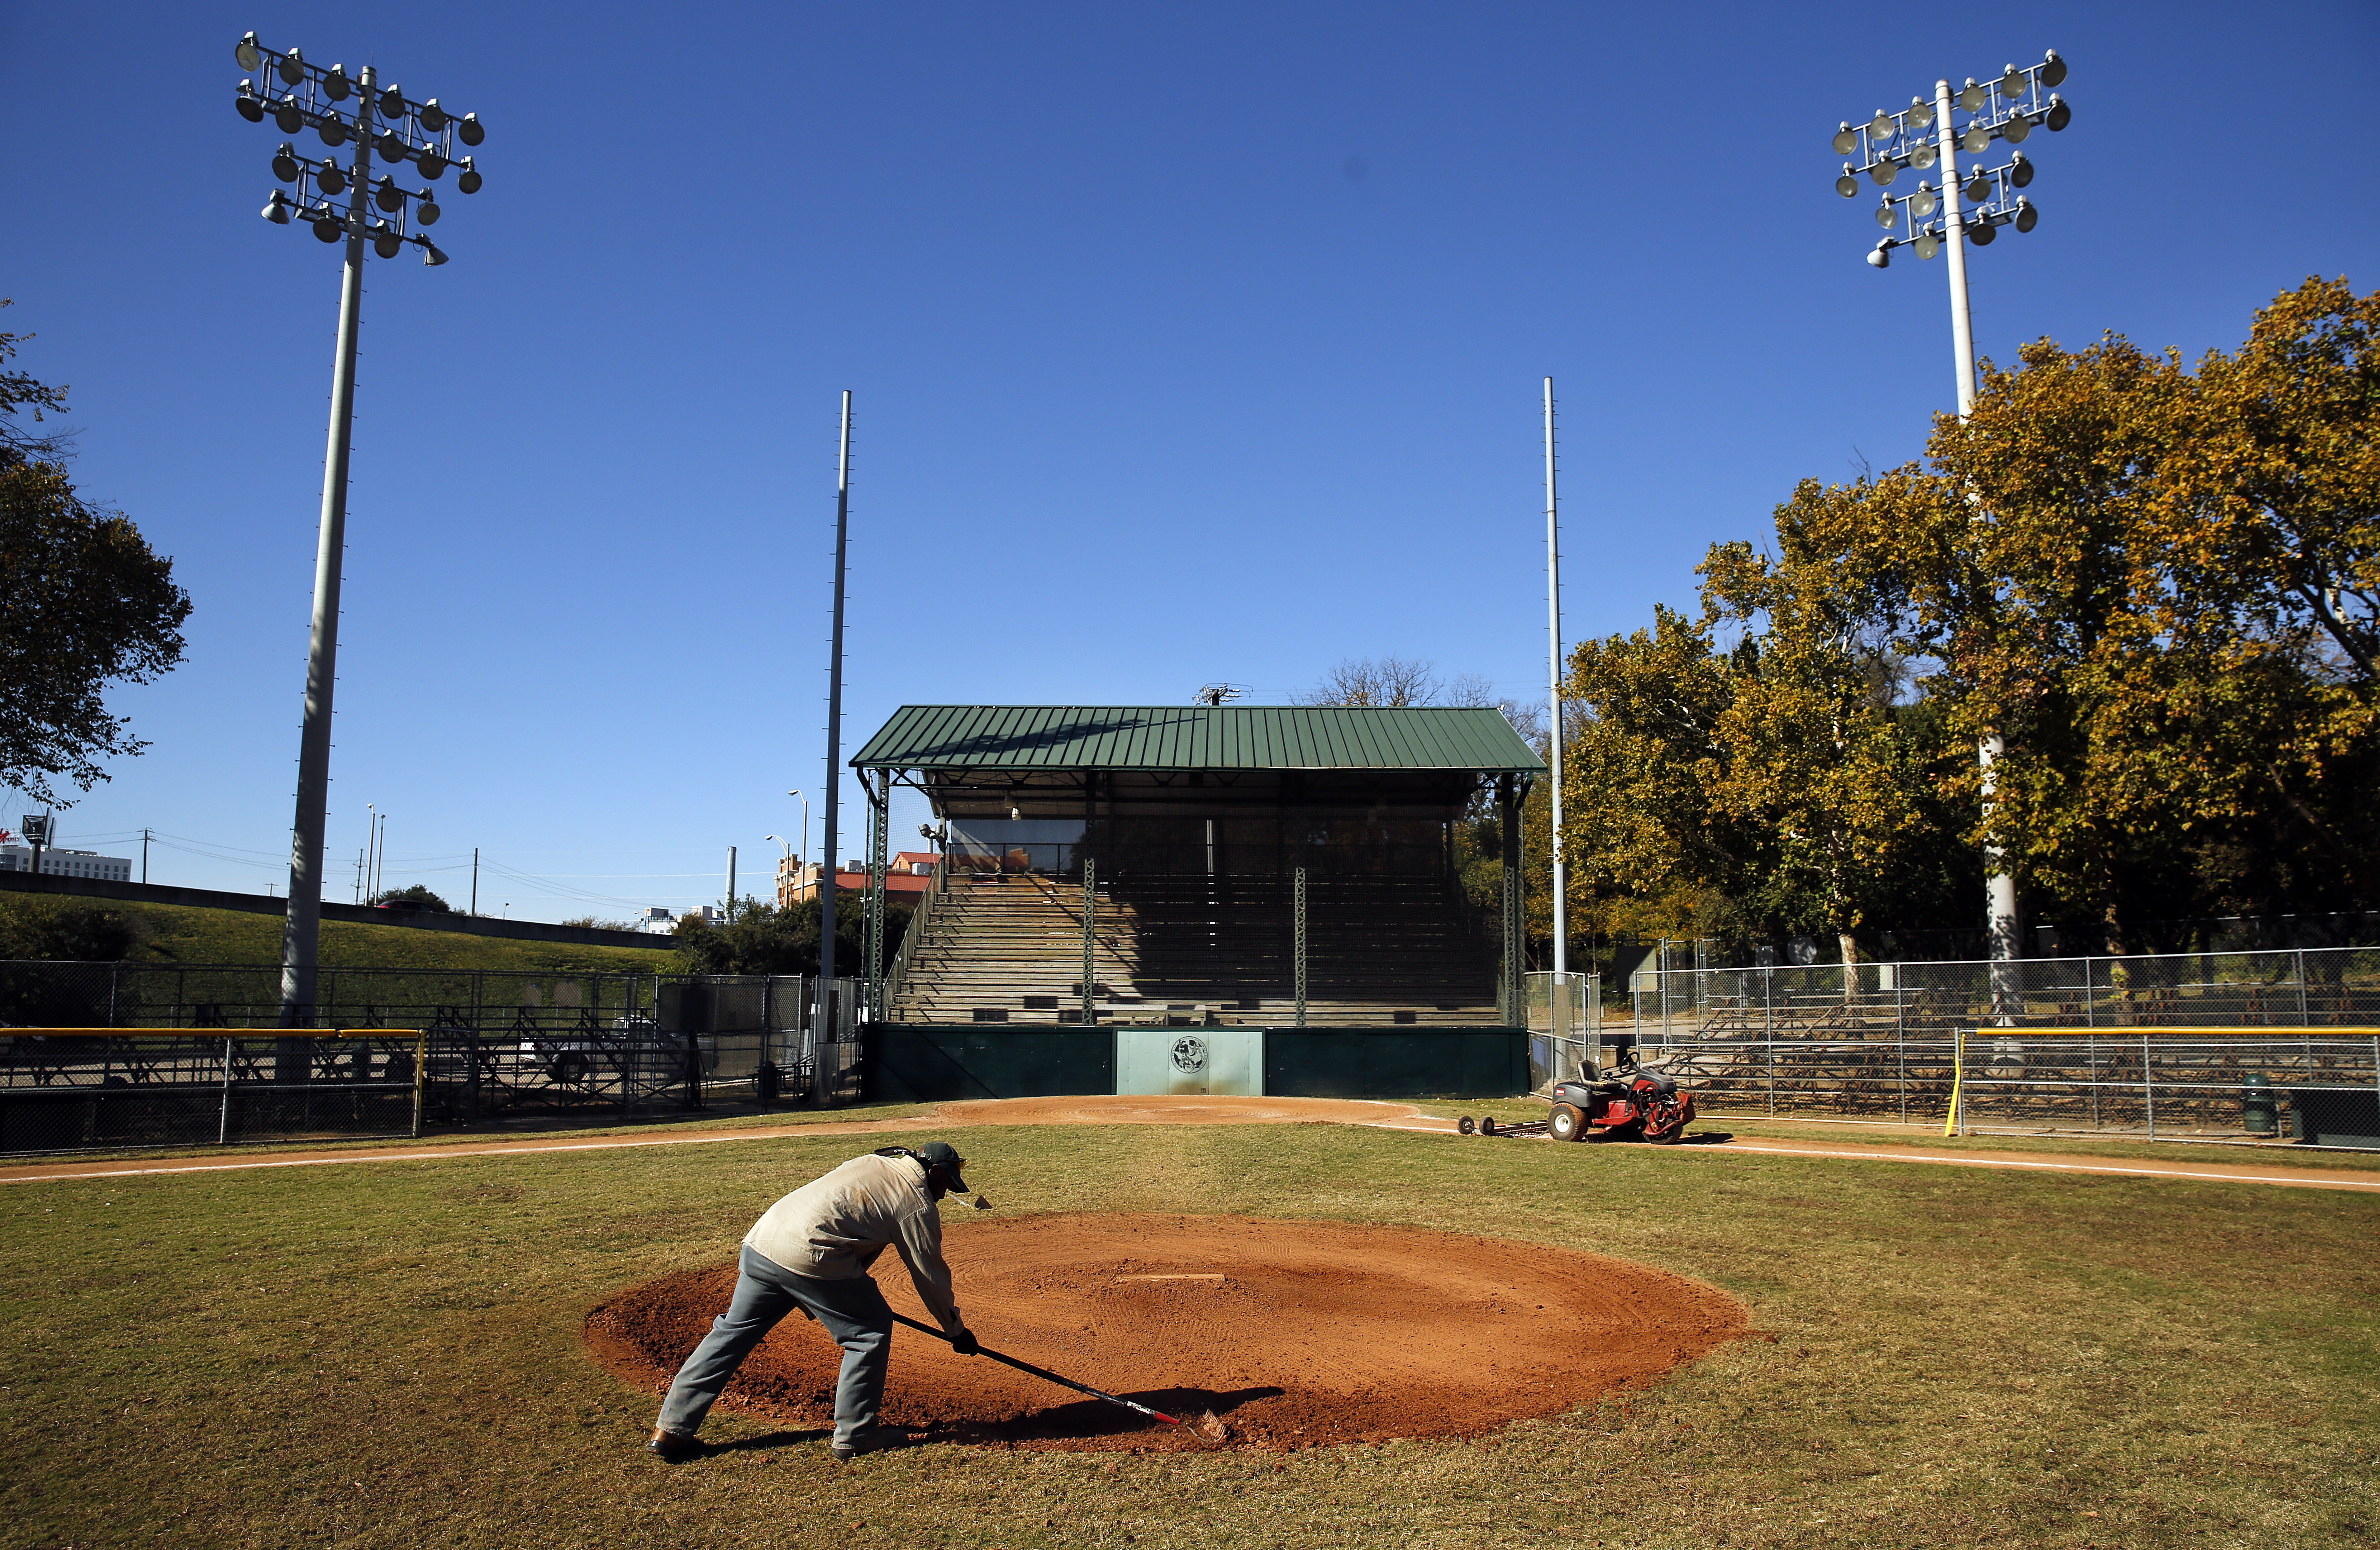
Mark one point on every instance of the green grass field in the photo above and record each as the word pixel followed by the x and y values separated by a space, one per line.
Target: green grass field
pixel 388 1354
pixel 189 935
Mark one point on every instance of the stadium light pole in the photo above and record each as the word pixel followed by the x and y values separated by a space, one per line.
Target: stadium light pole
pixel 1553 637
pixel 1933 221
pixel 834 698
pixel 383 122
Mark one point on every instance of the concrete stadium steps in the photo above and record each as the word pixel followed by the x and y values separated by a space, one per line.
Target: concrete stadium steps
pixel 1379 951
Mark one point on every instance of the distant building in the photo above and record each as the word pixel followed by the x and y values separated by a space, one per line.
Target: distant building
pixel 906 877
pixel 58 863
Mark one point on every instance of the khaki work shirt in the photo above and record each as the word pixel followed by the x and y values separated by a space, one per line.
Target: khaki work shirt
pixel 833 1228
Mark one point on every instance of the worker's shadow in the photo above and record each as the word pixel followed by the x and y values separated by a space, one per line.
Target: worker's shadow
pixel 769 1440
pixel 1084 1419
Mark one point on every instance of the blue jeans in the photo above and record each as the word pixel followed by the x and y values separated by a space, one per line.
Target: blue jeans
pixel 853 1312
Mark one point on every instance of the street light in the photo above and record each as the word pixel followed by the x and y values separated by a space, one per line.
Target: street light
pixel 380 121
pixel 2005 108
pixel 801 853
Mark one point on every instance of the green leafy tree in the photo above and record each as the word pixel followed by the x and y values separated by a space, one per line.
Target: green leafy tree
pixel 416 894
pixel 764 939
pixel 84 603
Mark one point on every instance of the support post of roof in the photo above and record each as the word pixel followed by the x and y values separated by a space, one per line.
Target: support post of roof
pixel 1508 830
pixel 1090 911
pixel 1298 948
pixel 879 810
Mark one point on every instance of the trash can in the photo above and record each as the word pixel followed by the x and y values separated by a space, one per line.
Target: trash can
pixel 2258 1106
pixel 767 1078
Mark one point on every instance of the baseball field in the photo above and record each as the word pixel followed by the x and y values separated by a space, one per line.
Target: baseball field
pixel 1415 1340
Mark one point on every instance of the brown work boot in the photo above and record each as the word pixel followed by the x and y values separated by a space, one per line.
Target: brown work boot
pixel 672 1447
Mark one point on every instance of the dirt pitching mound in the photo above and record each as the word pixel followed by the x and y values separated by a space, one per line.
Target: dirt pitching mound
pixel 1296 1333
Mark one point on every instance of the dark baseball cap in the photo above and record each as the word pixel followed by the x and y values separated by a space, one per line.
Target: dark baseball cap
pixel 943 1155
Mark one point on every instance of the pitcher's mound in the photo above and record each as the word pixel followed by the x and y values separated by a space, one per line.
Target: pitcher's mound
pixel 1296 1333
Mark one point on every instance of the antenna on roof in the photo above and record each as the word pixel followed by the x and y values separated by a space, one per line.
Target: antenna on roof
pixel 1221 693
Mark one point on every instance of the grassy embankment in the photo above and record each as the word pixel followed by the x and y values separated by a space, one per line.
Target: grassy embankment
pixel 184 934
pixel 388 1355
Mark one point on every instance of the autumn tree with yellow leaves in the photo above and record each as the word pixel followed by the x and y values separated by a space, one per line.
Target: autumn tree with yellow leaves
pixel 2159 586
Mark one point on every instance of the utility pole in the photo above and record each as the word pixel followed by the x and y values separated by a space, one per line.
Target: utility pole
pixel 834 699
pixel 144 857
pixel 1553 637
pixel 475 879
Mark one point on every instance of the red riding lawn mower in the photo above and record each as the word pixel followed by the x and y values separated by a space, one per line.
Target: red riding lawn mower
pixel 1647 1103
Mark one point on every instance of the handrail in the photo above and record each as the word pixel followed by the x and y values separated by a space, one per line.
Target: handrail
pixel 896 977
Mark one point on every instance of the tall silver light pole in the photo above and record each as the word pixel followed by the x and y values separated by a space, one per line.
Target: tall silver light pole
pixel 834 698
pixel 1553 637
pixel 2006 108
pixel 802 850
pixel 382 121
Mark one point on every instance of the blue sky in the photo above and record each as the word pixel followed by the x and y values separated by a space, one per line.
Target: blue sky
pixel 1189 343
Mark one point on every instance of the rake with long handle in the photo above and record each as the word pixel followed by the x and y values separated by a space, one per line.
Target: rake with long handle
pixel 1045 1372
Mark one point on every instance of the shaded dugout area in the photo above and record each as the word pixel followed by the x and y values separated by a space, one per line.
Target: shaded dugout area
pixel 1113 877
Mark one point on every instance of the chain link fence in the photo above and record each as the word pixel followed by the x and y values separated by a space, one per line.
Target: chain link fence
pixel 493 1046
pixel 2085 1044
pixel 1564 1013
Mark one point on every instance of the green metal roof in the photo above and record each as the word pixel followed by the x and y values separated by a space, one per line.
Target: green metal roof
pixel 1196 738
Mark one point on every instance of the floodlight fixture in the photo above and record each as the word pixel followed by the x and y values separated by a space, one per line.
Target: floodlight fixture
pixel 373 218
pixel 2008 108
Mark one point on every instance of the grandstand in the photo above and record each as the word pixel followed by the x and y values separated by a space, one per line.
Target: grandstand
pixel 1201 828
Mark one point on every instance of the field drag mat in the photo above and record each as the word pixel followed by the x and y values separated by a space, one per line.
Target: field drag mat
pixel 1297 1334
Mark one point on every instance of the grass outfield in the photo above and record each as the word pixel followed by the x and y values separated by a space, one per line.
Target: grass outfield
pixel 192 935
pixel 388 1355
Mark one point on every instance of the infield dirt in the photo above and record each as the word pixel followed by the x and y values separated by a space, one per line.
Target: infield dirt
pixel 1297 1332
